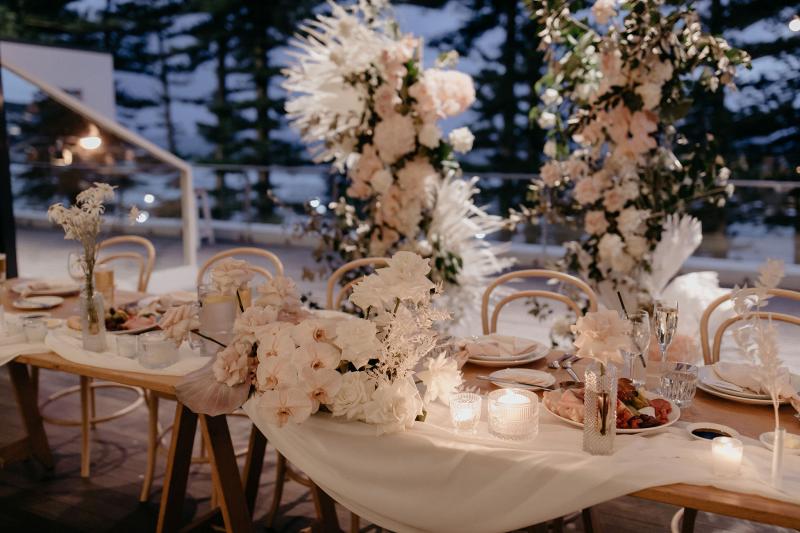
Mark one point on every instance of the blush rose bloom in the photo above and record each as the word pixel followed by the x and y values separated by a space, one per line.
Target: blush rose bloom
pixel 230 275
pixel 279 292
pixel 631 220
pixel 551 173
pixel 601 335
pixel 595 223
pixel 613 200
pixel 430 135
pixel 254 317
pixel 394 137
pixel 386 100
pixel 586 192
pixel 461 139
pixel 232 365
pixel 357 338
pixel 178 321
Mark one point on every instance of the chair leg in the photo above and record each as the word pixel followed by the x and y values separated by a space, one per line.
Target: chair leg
pixel 355 523
pixel 85 423
pixel 689 516
pixel 35 382
pixel 152 444
pixel 277 493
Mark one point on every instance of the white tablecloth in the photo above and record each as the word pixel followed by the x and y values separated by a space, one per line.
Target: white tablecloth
pixel 68 344
pixel 430 479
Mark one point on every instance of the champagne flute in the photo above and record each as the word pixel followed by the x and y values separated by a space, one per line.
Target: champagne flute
pixel 665 318
pixel 640 340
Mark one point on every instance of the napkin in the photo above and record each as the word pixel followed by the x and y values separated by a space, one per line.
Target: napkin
pixel 747 376
pixel 499 346
pixel 528 377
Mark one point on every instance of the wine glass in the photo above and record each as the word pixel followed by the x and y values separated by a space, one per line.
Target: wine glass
pixel 75 266
pixel 640 339
pixel 665 319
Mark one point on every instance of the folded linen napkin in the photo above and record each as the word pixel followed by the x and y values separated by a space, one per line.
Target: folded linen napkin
pixel 499 346
pixel 746 376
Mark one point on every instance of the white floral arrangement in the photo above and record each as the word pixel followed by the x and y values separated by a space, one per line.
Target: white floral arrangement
pixel 362 100
pixel 617 85
pixel 294 364
pixel 602 335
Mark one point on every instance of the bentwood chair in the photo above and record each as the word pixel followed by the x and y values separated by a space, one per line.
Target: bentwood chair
pixel 489 322
pixel 89 418
pixel 334 304
pixel 155 432
pixel 711 350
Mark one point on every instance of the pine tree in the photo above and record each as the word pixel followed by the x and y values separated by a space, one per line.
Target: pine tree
pixel 505 90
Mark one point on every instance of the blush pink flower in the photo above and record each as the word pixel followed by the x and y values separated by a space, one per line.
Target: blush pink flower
pixel 230 275
pixel 386 101
pixel 586 191
pixel 276 373
pixel 601 335
pixel 442 93
pixel 551 173
pixel 613 200
pixel 317 355
pixel 595 223
pixel 178 321
pixel 232 365
pixel 394 137
pixel 322 385
pixel 413 176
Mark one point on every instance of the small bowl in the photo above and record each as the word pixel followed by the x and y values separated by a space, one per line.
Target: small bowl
pixel 710 431
pixel 767 439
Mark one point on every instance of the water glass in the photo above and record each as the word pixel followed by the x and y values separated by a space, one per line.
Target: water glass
pixel 679 383
pixel 127 346
pixel 465 411
pixel 35 329
pixel 218 312
pixel 157 351
pixel 633 369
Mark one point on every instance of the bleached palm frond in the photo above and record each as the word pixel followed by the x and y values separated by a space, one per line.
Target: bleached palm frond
pixel 460 227
pixel 680 237
pixel 324 105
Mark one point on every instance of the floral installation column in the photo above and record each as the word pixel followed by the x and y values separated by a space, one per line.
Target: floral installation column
pixel 620 79
pixel 363 101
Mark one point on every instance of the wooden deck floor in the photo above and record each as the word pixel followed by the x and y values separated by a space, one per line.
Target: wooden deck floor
pixel 32 500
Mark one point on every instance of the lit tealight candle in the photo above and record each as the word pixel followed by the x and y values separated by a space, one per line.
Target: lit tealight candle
pixel 513 414
pixel 465 411
pixel 726 456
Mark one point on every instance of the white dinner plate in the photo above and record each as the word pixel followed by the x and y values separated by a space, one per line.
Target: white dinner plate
pixel 674 416
pixel 537 352
pixel 65 288
pixel 537 378
pixel 713 380
pixel 33 303
pixel 768 440
pixel 738 398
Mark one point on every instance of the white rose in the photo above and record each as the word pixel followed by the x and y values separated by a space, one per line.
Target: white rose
pixel 547 120
pixel 636 245
pixel 429 135
pixel 441 378
pixel 394 406
pixel 622 263
pixel 461 139
pixel 355 391
pixel 357 338
pixel 609 246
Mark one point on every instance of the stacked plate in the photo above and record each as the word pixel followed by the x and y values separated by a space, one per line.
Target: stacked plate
pixel 494 357
pixel 710 382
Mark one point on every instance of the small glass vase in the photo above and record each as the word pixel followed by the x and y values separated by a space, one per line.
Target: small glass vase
pixel 600 409
pixel 778 442
pixel 93 321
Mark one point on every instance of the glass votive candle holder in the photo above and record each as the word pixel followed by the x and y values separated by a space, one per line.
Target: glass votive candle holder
pixel 465 411
pixel 127 346
pixel 156 350
pixel 513 414
pixel 726 456
pixel 35 329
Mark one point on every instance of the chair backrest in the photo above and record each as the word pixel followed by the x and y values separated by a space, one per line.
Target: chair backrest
pixel 335 304
pixel 490 324
pixel 238 252
pixel 711 352
pixel 145 260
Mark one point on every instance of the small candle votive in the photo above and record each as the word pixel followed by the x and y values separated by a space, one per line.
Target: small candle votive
pixel 465 411
pixel 157 351
pixel 35 329
pixel 127 346
pixel 513 414
pixel 726 456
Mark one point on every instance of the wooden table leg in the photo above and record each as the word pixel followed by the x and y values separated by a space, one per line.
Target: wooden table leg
pixel 326 511
pixel 252 467
pixel 25 391
pixel 177 470
pixel 232 501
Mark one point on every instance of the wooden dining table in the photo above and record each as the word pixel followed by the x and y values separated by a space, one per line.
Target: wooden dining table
pixel 236 493
pixel 748 420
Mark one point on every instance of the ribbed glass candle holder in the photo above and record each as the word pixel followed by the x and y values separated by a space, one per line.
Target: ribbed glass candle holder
pixel 513 414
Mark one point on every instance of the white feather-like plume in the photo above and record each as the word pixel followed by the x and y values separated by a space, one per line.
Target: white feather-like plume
pixel 681 236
